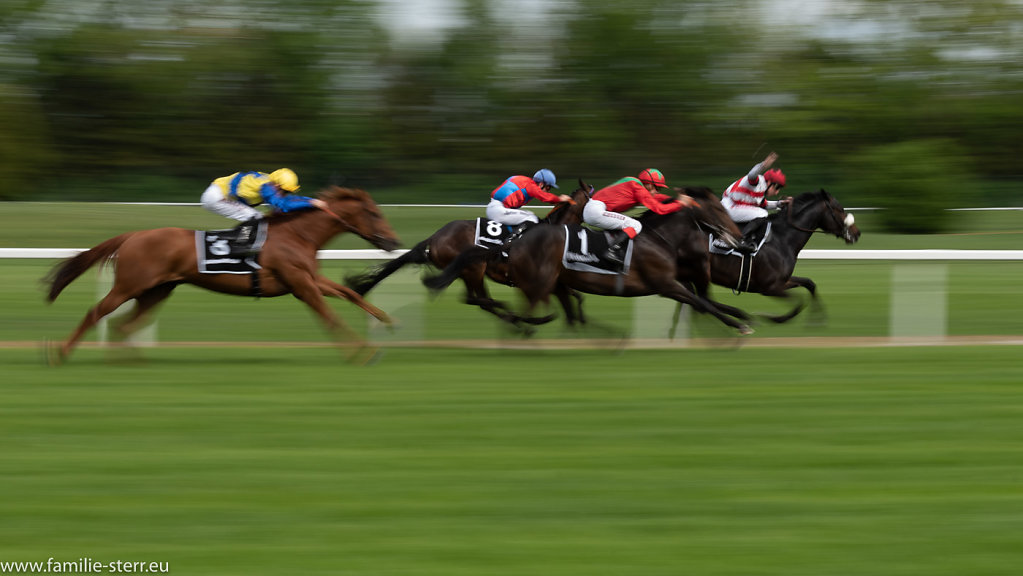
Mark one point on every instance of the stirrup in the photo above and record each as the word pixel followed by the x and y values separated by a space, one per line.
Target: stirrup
pixel 616 255
pixel 745 247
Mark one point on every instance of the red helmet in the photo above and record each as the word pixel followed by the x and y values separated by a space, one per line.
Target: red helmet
pixel 775 177
pixel 653 176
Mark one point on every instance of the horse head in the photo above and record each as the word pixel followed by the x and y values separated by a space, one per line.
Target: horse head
pixel 359 214
pixel 571 212
pixel 710 214
pixel 820 210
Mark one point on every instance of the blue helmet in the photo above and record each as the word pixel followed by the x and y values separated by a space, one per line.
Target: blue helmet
pixel 545 176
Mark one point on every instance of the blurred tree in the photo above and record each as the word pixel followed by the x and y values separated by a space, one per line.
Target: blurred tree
pixel 915 181
pixel 182 91
pixel 25 148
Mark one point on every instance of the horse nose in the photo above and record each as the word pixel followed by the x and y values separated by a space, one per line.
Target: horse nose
pixel 387 243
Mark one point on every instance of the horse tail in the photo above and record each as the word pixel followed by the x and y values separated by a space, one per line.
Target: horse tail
pixel 453 272
pixel 67 271
pixel 363 283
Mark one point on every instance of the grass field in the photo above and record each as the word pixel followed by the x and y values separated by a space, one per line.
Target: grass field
pixel 886 461
pixel 705 461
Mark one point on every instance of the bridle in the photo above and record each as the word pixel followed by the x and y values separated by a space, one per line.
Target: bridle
pixel 830 209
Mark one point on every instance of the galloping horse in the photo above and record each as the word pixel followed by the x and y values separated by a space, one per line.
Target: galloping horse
pixel 669 256
pixel 455 237
pixel 151 263
pixel 773 264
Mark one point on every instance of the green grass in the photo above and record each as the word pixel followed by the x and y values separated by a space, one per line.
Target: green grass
pixel 448 462
pixel 714 461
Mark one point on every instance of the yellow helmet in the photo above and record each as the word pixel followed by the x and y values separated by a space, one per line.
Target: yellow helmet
pixel 286 179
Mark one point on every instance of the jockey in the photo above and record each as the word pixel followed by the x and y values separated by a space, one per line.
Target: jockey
pixel 236 195
pixel 746 199
pixel 506 200
pixel 604 210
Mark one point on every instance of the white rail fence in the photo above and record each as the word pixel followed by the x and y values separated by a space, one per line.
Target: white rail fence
pixel 919 299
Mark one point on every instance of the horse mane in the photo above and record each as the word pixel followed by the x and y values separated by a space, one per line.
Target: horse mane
pixel 698 193
pixel 329 193
pixel 334 192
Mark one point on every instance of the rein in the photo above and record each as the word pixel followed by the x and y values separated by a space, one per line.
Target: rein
pixel 827 207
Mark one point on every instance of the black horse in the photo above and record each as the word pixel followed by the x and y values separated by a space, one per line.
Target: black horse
pixel 770 272
pixel 671 258
pixel 457 236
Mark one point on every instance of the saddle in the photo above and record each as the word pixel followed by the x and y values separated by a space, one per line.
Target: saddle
pixel 758 235
pixel 231 251
pixel 586 249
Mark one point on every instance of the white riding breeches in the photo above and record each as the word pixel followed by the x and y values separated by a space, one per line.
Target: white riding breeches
pixel 743 212
pixel 595 213
pixel 498 212
pixel 213 199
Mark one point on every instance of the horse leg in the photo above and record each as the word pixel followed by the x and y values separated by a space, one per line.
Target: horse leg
pixel 702 289
pixel 144 305
pixel 112 301
pixel 474 278
pixel 678 292
pixel 568 299
pixel 330 288
pixel 308 291
pixel 818 314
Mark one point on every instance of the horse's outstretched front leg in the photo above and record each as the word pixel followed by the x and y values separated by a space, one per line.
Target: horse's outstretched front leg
pixel 307 290
pixel 678 292
pixel 330 288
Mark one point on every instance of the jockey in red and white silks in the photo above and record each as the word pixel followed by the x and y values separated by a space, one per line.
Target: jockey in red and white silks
pixel 746 199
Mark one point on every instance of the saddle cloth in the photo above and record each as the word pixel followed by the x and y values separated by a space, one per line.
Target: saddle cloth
pixel 490 233
pixel 231 251
pixel 586 250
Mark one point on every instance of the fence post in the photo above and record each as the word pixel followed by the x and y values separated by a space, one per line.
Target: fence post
pixel 919 304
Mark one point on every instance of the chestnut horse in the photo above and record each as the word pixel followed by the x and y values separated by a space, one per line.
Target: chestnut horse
pixel 441 248
pixel 671 258
pixel 151 263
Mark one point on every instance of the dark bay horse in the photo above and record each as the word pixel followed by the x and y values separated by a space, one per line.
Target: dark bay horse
pixel 791 228
pixel 151 263
pixel 671 258
pixel 455 237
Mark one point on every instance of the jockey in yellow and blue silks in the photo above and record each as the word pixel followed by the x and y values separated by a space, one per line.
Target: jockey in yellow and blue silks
pixel 235 196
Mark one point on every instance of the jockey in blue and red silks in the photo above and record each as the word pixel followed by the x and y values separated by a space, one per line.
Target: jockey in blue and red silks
pixel 507 199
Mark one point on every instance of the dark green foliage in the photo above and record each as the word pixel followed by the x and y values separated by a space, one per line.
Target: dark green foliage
pixel 696 89
pixel 914 181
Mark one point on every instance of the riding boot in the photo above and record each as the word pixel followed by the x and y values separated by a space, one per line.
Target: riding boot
pixel 616 247
pixel 748 243
pixel 517 232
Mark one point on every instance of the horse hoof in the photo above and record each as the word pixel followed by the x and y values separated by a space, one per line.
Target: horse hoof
pixel 746 331
pixel 365 356
pixel 52 354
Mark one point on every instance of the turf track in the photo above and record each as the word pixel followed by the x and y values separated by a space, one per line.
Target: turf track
pixel 271 456
pixel 766 461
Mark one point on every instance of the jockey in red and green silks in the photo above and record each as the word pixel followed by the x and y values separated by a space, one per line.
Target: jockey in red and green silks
pixel 604 210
